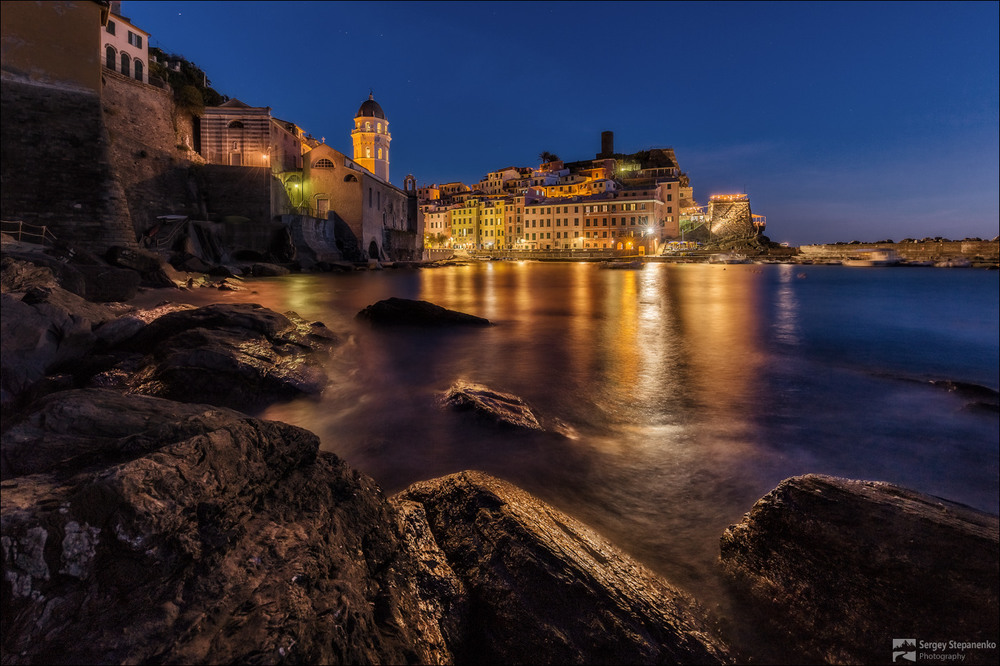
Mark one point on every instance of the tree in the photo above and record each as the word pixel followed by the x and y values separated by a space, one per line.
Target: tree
pixel 546 156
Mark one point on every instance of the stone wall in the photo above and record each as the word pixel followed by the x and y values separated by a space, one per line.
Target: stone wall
pixel 56 167
pixel 984 251
pixel 148 152
pixel 236 191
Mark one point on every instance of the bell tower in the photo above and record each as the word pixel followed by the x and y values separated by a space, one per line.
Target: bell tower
pixel 371 138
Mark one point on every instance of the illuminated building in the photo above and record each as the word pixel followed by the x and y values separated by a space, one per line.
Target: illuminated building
pixel 124 47
pixel 371 138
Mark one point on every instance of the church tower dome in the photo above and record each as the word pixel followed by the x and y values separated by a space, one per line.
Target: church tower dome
pixel 371 138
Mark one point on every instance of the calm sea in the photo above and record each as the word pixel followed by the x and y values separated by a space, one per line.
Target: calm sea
pixel 679 394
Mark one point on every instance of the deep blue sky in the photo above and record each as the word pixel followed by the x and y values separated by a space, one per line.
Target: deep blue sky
pixel 841 120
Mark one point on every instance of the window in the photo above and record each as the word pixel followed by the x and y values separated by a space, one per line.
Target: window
pixel 236 124
pixel 125 65
pixel 109 59
pixel 134 39
pixel 379 126
pixel 138 70
pixel 111 29
pixel 323 164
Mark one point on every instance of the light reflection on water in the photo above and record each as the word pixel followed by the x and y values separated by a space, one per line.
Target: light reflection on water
pixel 690 390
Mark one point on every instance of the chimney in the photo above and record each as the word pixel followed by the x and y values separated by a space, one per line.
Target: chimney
pixel 607 144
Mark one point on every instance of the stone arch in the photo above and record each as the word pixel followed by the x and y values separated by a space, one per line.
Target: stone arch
pixel 350 178
pixel 235 124
pixel 373 251
pixel 410 183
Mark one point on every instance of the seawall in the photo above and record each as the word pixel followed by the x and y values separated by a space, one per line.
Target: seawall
pixel 975 251
pixel 58 169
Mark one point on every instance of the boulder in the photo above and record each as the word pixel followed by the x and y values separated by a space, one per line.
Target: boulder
pixel 406 312
pixel 831 570
pixel 107 284
pixel 504 409
pixel 47 327
pixel 151 531
pixel 92 280
pixel 18 276
pixel 242 356
pixel 544 589
pixel 262 269
pixel 152 268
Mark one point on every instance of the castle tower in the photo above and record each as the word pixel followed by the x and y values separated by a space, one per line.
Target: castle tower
pixel 371 138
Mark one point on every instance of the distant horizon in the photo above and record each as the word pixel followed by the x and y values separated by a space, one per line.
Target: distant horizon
pixel 884 125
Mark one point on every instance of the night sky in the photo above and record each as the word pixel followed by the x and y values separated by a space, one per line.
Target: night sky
pixel 841 120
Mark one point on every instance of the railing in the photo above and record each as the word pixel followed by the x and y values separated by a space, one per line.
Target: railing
pixel 28 233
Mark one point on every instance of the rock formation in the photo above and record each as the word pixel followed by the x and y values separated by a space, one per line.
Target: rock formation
pixel 406 312
pixel 834 569
pixel 136 529
pixel 242 356
pixel 543 588
pixel 504 409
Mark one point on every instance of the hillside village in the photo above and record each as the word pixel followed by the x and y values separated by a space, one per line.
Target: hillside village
pixel 270 183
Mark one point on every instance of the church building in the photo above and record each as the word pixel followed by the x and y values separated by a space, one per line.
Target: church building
pixel 372 218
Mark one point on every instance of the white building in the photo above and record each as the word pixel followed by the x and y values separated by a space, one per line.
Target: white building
pixel 124 47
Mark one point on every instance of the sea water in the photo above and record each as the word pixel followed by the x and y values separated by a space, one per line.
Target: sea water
pixel 675 395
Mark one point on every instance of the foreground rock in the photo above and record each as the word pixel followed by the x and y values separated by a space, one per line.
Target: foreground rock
pixel 406 312
pixel 505 409
pixel 42 326
pixel 150 531
pixel 242 356
pixel 834 569
pixel 543 588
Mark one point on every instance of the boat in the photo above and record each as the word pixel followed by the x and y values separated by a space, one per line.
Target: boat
pixel 865 258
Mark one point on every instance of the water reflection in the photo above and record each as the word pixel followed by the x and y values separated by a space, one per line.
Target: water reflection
pixel 691 391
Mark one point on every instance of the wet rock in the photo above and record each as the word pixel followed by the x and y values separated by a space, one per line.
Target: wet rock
pixel 261 269
pixel 406 312
pixel 18 276
pixel 107 284
pixel 545 589
pixel 832 569
pixel 46 328
pixel 505 409
pixel 242 356
pixel 151 531
pixel 152 268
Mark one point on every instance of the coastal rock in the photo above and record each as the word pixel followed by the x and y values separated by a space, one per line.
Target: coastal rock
pixel 406 312
pixel 262 269
pixel 45 328
pixel 18 276
pixel 152 268
pixel 833 569
pixel 242 356
pixel 157 532
pixel 504 409
pixel 543 588
pixel 86 277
